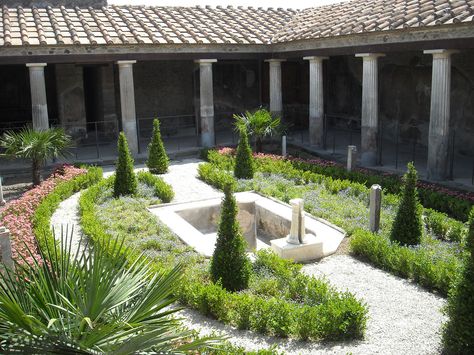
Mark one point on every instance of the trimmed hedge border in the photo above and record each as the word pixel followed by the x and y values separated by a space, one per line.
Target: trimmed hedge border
pixel 328 314
pixel 162 189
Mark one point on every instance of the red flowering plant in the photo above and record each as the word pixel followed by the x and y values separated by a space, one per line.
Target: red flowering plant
pixel 17 215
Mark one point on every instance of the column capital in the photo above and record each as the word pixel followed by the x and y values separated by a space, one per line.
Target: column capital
pixel 36 65
pixel 440 53
pixel 125 63
pixel 275 60
pixel 205 61
pixel 369 55
pixel 315 58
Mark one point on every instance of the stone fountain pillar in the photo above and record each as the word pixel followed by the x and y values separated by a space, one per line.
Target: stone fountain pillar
pixel 298 245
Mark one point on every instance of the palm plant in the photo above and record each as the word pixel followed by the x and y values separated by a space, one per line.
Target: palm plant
pixel 91 302
pixel 37 146
pixel 259 124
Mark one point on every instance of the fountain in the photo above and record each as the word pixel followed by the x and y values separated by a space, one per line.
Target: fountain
pixel 298 245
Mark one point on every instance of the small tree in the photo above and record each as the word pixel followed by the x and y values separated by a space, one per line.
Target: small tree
pixel 407 227
pixel 37 146
pixel 259 125
pixel 125 179
pixel 157 161
pixel 244 165
pixel 230 263
pixel 458 332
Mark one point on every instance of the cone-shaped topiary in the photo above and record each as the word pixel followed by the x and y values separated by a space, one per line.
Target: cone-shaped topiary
pixel 458 332
pixel 125 179
pixel 157 161
pixel 407 227
pixel 230 264
pixel 244 165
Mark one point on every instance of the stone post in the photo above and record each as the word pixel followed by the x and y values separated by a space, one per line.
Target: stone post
pixel 2 200
pixel 375 205
pixel 298 230
pixel 370 108
pixel 5 248
pixel 127 103
pixel 351 157
pixel 316 101
pixel 39 105
pixel 206 100
pixel 276 100
pixel 438 139
pixel 283 146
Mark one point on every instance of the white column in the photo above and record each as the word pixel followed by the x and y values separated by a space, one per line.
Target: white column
pixel 39 105
pixel 276 101
pixel 127 103
pixel 370 108
pixel 438 140
pixel 316 100
pixel 206 102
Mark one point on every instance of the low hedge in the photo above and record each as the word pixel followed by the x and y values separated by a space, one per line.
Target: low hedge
pixel 283 301
pixel 162 189
pixel 434 272
pixel 44 212
pixel 454 203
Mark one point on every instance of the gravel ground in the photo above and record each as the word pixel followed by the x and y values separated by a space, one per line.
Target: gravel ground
pixel 403 318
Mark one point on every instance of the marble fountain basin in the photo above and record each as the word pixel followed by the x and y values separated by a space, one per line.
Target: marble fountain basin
pixel 265 223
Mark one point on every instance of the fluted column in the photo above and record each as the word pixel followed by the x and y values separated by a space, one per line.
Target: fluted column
pixel 39 105
pixel 370 109
pixel 127 103
pixel 438 140
pixel 276 101
pixel 206 100
pixel 316 101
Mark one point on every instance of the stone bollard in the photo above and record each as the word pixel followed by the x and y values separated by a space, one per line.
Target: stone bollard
pixel 2 200
pixel 351 157
pixel 298 230
pixel 5 248
pixel 375 204
pixel 283 146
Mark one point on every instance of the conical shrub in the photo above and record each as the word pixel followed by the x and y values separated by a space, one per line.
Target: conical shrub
pixel 458 332
pixel 244 165
pixel 158 161
pixel 407 228
pixel 230 264
pixel 125 179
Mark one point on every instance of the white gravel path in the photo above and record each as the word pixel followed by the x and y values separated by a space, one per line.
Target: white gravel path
pixel 403 318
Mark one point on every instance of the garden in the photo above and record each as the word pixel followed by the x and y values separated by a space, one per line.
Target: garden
pixel 116 282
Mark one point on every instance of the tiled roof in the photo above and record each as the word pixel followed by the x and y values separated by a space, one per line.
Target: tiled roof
pixel 139 24
pixel 362 16
pixel 176 25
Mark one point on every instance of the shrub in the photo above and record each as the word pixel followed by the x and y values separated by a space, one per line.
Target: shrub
pixel 407 227
pixel 244 167
pixel 230 263
pixel 162 190
pixel 458 335
pixel 157 161
pixel 444 227
pixel 125 179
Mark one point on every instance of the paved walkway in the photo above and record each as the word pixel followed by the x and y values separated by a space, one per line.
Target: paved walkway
pixel 403 318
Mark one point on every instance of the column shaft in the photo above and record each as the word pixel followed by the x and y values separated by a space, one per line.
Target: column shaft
pixel 438 140
pixel 39 105
pixel 206 99
pixel 127 103
pixel 316 101
pixel 276 101
pixel 370 109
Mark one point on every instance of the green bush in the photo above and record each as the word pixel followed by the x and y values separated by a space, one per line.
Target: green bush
pixel 125 182
pixel 157 161
pixel 458 332
pixel 162 190
pixel 244 166
pixel 444 227
pixel 230 263
pixel 407 228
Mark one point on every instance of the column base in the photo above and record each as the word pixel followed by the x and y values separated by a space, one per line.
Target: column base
pixel 207 139
pixel 130 130
pixel 368 158
pixel 437 167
